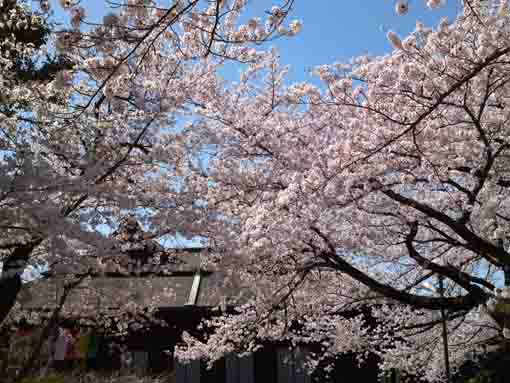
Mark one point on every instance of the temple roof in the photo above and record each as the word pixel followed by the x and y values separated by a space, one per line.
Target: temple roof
pixel 114 292
pixel 135 253
pixel 134 275
pixel 133 240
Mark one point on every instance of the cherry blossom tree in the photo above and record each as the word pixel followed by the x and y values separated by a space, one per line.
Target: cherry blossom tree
pixel 108 132
pixel 368 191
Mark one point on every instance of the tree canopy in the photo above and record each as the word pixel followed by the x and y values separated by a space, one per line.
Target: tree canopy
pixel 367 191
pixel 94 119
pixel 358 195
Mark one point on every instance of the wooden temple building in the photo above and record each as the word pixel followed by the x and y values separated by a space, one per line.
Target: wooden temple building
pixel 178 293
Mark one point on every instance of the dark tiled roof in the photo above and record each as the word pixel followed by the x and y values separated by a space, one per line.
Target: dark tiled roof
pixel 114 292
pixel 131 276
pixel 108 292
pixel 215 287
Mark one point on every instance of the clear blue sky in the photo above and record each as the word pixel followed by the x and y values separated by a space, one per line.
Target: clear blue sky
pixel 334 30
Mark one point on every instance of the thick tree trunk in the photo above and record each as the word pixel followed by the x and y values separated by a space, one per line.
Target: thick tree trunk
pixel 10 279
pixel 9 288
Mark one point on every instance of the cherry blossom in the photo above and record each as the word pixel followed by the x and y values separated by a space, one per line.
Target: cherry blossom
pixel 361 194
pixel 106 133
pixel 402 7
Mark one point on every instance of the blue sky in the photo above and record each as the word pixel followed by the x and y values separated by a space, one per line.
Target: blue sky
pixel 336 30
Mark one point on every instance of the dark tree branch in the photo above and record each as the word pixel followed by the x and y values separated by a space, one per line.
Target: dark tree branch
pixel 453 304
pixel 492 253
pixel 455 274
pixel 10 279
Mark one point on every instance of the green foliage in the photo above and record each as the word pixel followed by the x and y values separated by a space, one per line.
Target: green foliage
pixel 492 368
pixel 33 31
pixel 503 309
pixel 47 379
pixel 483 377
